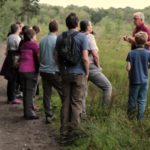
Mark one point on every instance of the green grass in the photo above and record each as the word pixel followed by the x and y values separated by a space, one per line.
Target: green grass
pixel 109 129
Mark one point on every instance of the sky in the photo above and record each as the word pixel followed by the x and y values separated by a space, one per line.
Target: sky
pixel 139 4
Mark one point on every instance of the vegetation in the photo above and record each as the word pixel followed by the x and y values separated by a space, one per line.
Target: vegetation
pixel 106 129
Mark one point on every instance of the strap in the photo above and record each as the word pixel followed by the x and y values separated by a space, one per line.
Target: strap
pixel 74 34
pixel 64 34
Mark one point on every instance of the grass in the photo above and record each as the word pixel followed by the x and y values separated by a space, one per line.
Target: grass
pixel 109 129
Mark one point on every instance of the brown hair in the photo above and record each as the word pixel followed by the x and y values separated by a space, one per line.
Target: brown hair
pixel 72 21
pixel 29 34
pixel 36 29
pixel 53 26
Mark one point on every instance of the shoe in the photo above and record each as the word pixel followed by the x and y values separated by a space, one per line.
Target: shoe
pixel 65 140
pixel 83 116
pixel 16 101
pixel 49 118
pixel 32 117
pixel 9 102
pixel 35 108
pixel 19 95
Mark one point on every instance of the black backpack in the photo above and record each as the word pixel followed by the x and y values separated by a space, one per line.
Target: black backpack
pixel 69 52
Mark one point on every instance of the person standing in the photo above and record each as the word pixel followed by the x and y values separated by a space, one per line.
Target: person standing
pixel 140 25
pixel 28 68
pixel 96 75
pixel 9 70
pixel 72 57
pixel 137 66
pixel 49 70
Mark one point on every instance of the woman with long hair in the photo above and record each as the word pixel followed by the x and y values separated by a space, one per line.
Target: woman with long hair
pixel 28 68
pixel 96 75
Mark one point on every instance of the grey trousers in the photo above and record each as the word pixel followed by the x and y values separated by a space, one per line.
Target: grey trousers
pixel 100 80
pixel 49 81
pixel 28 81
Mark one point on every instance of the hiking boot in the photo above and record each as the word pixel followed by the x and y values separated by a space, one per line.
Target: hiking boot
pixel 65 140
pixel 35 108
pixel 49 118
pixel 32 117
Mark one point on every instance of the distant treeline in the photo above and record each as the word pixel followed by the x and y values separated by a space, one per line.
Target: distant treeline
pixel 35 13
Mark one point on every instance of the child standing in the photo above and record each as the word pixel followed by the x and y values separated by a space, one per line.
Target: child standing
pixel 137 67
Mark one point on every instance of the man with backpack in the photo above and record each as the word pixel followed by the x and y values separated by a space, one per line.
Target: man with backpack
pixel 72 57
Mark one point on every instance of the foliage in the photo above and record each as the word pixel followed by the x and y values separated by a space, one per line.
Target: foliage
pixel 106 129
pixel 29 8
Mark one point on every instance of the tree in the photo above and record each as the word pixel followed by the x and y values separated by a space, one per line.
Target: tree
pixel 2 2
pixel 29 9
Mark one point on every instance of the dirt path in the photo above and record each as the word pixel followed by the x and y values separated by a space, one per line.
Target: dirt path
pixel 17 133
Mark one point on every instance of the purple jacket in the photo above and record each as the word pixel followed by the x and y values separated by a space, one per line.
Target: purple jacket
pixel 29 57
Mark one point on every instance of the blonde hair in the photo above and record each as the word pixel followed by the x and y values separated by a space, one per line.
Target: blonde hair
pixel 141 38
pixel 139 14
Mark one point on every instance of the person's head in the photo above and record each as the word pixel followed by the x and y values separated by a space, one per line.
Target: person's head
pixel 72 21
pixel 25 28
pixel 29 35
pixel 20 24
pixel 86 26
pixel 53 26
pixel 138 18
pixel 15 28
pixel 36 29
pixel 141 38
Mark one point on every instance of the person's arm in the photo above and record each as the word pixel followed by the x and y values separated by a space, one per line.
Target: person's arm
pixel 147 30
pixel 17 42
pixel 36 51
pixel 94 50
pixel 56 51
pixel 129 39
pixel 128 60
pixel 85 58
pixel 147 43
pixel 128 66
pixel 96 57
pixel 56 57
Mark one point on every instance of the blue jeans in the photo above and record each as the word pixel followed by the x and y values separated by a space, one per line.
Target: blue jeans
pixel 137 98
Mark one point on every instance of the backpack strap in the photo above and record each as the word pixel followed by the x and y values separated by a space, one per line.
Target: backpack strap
pixel 74 34
pixel 64 34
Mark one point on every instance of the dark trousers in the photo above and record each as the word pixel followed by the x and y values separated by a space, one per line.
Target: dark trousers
pixel 49 81
pixel 73 90
pixel 28 82
pixel 18 83
pixel 11 85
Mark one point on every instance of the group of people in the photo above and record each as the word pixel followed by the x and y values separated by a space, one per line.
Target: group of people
pixel 138 61
pixel 67 62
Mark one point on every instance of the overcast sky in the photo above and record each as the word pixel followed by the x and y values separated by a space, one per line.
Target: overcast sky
pixel 100 3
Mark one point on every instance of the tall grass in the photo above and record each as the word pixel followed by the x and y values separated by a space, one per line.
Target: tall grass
pixel 109 129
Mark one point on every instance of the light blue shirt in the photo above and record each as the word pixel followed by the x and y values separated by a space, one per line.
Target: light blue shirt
pixel 47 61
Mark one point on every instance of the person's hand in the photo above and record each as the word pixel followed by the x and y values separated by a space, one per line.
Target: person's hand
pixel 6 53
pixel 125 38
pixel 130 39
pixel 87 76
